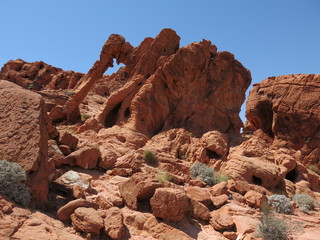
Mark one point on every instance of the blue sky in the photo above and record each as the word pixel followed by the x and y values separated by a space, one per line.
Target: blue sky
pixel 269 37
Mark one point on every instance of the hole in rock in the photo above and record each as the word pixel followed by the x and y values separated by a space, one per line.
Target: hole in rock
pixel 111 119
pixel 127 113
pixel 265 114
pixel 144 205
pixel 114 69
pixel 212 154
pixel 256 180
pixel 292 175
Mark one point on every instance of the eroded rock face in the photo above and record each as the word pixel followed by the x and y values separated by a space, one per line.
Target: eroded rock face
pixel 172 87
pixel 87 220
pixel 287 107
pixel 23 135
pixel 38 75
pixel 68 209
pixel 222 219
pixel 113 223
pixel 170 204
pixel 139 187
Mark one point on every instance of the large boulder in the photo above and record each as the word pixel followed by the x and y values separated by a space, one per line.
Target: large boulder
pixel 170 204
pixel 221 219
pixel 139 187
pixel 115 143
pixel 163 231
pixel 23 135
pixel 287 108
pixel 113 223
pixel 87 220
pixel 199 194
pixel 86 157
pixel 64 212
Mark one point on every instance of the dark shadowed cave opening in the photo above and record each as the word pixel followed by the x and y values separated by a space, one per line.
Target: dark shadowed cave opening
pixel 212 154
pixel 127 113
pixel 256 180
pixel 292 175
pixel 266 116
pixel 111 118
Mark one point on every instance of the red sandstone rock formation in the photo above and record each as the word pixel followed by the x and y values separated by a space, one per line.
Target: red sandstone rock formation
pixel 171 88
pixel 183 105
pixel 170 204
pixel 23 135
pixel 38 75
pixel 288 109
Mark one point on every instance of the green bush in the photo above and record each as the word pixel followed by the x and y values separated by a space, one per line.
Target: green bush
pixel 305 202
pixel 12 182
pixel 314 168
pixel 272 228
pixel 280 203
pixel 162 176
pixel 207 174
pixel 219 177
pixel 150 158
pixel 202 171
pixel 84 116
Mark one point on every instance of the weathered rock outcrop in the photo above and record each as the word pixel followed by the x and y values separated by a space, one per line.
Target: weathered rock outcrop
pixel 288 109
pixel 23 135
pixel 182 104
pixel 38 75
pixel 139 187
pixel 262 162
pixel 113 223
pixel 171 87
pixel 170 204
pixel 87 220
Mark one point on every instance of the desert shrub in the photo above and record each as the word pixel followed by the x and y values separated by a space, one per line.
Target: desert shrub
pixel 162 176
pixel 280 203
pixel 219 177
pixel 70 130
pixel 150 158
pixel 272 228
pixel 68 93
pixel 305 202
pixel 207 174
pixel 12 178
pixel 314 168
pixel 202 171
pixel 84 116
